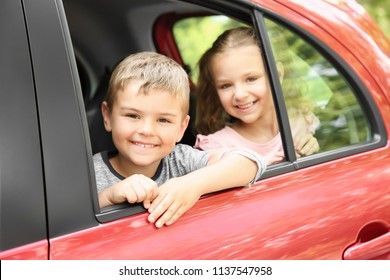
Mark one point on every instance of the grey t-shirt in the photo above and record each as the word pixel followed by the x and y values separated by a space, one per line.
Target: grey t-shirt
pixel 181 161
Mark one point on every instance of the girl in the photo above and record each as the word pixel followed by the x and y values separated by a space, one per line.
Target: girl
pixel 234 101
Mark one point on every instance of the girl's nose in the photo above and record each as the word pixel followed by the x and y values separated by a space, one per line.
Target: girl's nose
pixel 240 92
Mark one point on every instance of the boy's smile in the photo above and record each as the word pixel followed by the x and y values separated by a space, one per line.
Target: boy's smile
pixel 146 146
pixel 145 128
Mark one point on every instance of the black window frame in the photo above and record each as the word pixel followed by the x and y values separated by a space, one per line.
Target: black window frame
pixel 70 188
pixel 22 206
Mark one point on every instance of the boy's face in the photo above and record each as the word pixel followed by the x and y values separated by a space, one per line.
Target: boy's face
pixel 145 127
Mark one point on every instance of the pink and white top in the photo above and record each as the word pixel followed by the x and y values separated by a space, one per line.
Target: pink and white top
pixel 228 137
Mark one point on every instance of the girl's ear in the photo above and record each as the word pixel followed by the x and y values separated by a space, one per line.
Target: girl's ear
pixel 280 68
pixel 106 116
pixel 183 128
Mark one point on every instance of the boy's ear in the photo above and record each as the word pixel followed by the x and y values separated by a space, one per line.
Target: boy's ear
pixel 106 116
pixel 183 127
pixel 280 68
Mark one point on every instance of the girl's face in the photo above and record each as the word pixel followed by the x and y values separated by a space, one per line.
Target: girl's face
pixel 242 84
pixel 145 127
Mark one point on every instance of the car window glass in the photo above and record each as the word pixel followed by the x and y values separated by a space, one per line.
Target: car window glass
pixel 311 79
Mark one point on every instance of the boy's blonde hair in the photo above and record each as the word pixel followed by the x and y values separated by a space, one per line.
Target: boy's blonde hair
pixel 154 71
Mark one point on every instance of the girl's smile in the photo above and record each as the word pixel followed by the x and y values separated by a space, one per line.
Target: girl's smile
pixel 246 107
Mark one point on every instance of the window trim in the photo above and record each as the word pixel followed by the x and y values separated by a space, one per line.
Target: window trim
pixel 48 37
pixel 276 87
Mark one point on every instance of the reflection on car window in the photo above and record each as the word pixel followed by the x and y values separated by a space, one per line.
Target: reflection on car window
pixel 341 119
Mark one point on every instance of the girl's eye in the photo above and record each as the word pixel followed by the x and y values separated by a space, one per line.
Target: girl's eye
pixel 251 79
pixel 224 86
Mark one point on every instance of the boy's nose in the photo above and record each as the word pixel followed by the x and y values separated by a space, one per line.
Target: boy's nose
pixel 147 127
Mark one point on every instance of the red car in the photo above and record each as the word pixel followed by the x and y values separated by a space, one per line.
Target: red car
pixel 55 59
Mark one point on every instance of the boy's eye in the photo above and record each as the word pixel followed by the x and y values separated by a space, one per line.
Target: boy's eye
pixel 132 116
pixel 163 120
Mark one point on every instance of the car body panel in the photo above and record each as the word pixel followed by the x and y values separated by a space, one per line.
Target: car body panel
pixel 289 207
pixel 33 251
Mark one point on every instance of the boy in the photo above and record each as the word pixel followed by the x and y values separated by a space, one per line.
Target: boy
pixel 146 110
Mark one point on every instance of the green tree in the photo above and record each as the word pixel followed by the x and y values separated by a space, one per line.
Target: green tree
pixel 379 10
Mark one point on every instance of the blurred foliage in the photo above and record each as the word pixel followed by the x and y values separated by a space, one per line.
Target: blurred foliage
pixel 195 35
pixel 379 10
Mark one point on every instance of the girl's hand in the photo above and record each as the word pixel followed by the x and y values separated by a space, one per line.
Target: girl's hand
pixel 306 144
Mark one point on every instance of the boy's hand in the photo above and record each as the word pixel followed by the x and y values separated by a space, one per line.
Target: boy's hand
pixel 173 200
pixel 136 188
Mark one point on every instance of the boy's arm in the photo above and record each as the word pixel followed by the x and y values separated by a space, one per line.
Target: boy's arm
pixel 225 170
